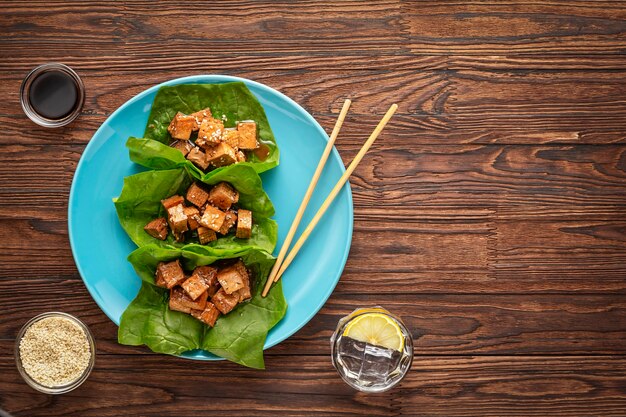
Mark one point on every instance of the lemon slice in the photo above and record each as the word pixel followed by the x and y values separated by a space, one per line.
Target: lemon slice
pixel 376 329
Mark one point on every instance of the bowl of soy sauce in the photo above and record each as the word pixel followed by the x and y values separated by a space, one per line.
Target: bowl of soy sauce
pixel 52 95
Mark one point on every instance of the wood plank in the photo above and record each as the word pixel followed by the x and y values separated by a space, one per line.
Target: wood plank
pixel 483 324
pixel 82 58
pixel 463 94
pixel 448 386
pixel 381 27
pixel 435 107
pixel 514 386
pixel 522 27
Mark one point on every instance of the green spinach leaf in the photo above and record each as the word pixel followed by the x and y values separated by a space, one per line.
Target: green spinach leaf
pixel 238 336
pixel 140 202
pixel 230 101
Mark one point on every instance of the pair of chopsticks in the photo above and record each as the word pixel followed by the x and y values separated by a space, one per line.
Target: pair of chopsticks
pixel 284 260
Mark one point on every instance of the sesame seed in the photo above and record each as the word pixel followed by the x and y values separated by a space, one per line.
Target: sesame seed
pixel 55 351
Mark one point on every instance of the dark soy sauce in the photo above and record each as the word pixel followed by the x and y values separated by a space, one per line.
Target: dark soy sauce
pixel 53 95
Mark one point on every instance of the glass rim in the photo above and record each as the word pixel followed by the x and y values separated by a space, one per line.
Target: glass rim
pixel 30 111
pixel 341 325
pixel 57 389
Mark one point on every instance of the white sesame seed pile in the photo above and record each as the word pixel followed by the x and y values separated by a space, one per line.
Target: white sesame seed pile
pixel 55 351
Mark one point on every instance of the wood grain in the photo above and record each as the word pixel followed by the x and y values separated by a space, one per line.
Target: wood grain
pixel 491 214
pixel 446 386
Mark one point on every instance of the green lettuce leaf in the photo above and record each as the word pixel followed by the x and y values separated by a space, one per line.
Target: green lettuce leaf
pixel 234 101
pixel 238 336
pixel 140 202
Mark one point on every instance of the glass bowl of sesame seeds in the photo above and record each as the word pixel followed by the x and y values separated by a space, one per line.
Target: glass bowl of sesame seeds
pixel 54 352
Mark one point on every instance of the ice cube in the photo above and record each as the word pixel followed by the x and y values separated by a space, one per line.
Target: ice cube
pixel 351 365
pixel 351 348
pixel 378 363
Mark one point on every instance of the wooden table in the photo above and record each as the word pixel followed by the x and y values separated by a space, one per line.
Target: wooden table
pixel 491 215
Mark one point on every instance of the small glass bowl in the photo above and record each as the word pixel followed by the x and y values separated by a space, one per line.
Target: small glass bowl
pixel 59 389
pixel 30 111
pixel 396 375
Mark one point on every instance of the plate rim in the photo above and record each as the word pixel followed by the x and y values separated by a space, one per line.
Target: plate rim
pixel 215 79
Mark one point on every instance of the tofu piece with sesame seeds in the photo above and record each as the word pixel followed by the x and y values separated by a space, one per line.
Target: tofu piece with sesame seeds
pixel 194 286
pixel 209 275
pixel 169 274
pixel 247 135
pixel 222 155
pixel 177 220
pixel 199 116
pixel 230 219
pixel 244 293
pixel 196 195
pixel 206 235
pixel 244 224
pixel 181 126
pixel 232 278
pixel 213 218
pixel 210 133
pixel 204 278
pixel 223 195
pixel 184 146
pixel 208 316
pixel 198 158
pixel 180 301
pixel 157 228
pixel 225 302
pixel 231 137
pixel 172 201
pixel 193 215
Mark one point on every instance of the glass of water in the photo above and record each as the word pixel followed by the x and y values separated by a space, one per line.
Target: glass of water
pixel 371 349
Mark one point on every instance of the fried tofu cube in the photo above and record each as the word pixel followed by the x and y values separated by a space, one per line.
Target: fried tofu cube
pixel 232 278
pixel 206 235
pixel 170 274
pixel 193 215
pixel 194 286
pixel 177 220
pixel 198 158
pixel 196 195
pixel 160 281
pixel 247 135
pixel 199 116
pixel 222 155
pixel 175 303
pixel 229 221
pixel 213 218
pixel 210 133
pixel 241 157
pixel 157 228
pixel 225 302
pixel 172 201
pixel 209 275
pixel 181 126
pixel 244 224
pixel 223 196
pixel 244 293
pixel 180 301
pixel 184 146
pixel 209 315
pixel 231 137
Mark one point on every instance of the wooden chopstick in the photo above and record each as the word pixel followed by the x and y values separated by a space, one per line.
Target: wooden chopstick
pixel 307 196
pixel 335 191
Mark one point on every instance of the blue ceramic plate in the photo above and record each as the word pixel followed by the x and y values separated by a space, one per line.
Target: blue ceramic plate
pixel 100 245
